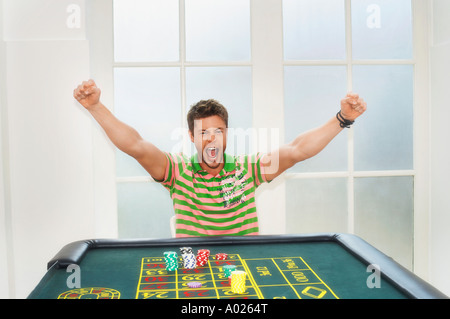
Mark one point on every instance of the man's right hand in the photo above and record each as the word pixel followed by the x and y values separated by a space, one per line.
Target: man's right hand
pixel 87 94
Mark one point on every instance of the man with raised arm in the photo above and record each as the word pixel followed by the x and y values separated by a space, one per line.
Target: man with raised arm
pixel 213 192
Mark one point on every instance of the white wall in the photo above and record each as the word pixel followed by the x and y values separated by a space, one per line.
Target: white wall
pixel 4 269
pixel 48 136
pixel 440 147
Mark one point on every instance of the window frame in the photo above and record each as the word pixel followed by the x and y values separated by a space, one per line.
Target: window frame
pixel 267 46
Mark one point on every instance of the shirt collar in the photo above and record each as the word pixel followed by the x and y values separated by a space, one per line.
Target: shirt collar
pixel 229 166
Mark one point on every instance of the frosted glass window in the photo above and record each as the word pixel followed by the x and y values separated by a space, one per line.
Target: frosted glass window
pixel 148 99
pixel 146 30
pixel 312 97
pixel 384 215
pixel 382 29
pixel 144 210
pixel 218 30
pixel 384 134
pixel 316 205
pixel 231 86
pixel 314 29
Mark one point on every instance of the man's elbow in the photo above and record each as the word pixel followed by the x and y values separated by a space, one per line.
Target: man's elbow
pixel 135 150
pixel 299 154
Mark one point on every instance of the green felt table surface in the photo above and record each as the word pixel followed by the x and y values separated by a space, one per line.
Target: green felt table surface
pixel 306 270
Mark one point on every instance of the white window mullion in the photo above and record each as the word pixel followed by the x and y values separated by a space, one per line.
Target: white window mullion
pixel 421 32
pixel 268 97
pixel 182 65
pixel 348 174
pixel 351 149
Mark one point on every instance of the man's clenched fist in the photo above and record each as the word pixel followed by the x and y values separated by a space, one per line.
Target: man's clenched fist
pixel 87 93
pixel 352 106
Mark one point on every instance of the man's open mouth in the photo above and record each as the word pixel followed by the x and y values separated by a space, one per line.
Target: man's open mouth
pixel 212 152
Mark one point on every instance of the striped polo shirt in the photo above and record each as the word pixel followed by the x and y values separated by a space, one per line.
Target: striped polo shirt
pixel 207 205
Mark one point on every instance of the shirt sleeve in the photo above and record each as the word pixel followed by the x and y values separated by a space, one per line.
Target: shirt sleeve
pixel 257 169
pixel 169 178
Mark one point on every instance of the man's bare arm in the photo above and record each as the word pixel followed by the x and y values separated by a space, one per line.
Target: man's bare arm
pixel 310 143
pixel 123 136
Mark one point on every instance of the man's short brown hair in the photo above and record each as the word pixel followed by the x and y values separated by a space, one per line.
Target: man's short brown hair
pixel 206 108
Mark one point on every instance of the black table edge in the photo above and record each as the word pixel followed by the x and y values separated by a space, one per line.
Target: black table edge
pixel 405 280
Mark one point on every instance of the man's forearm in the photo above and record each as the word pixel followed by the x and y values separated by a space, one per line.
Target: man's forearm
pixel 123 136
pixel 312 142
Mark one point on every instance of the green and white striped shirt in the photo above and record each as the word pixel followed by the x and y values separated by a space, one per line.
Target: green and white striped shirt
pixel 207 205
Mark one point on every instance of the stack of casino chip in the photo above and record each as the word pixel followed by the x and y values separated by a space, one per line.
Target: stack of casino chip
pixel 228 269
pixel 202 257
pixel 186 250
pixel 221 256
pixel 188 256
pixel 238 281
pixel 189 261
pixel 171 259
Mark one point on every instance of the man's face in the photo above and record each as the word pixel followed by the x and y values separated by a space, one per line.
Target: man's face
pixel 210 139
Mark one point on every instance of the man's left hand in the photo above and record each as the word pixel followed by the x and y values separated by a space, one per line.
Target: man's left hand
pixel 352 106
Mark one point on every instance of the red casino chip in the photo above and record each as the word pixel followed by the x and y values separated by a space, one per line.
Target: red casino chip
pixel 202 257
pixel 221 256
